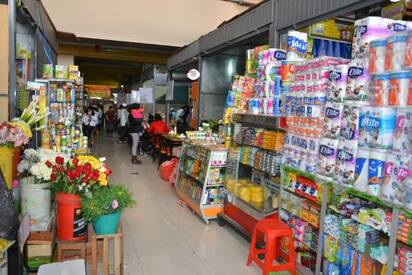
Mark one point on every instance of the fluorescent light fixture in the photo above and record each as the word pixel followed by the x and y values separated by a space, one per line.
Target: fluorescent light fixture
pixel 95 97
pixel 394 1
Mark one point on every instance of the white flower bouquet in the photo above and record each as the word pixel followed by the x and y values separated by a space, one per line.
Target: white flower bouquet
pixel 34 164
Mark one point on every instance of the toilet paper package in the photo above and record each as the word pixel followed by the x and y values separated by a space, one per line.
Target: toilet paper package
pixel 350 122
pixel 399 88
pixel 297 46
pixel 377 159
pixel 402 140
pixel 361 170
pixel 397 169
pixel 333 118
pixel 380 125
pixel 377 51
pixel 338 78
pixel 358 77
pixel 372 28
pixel 395 52
pixel 327 157
pixel 346 161
pixel 365 113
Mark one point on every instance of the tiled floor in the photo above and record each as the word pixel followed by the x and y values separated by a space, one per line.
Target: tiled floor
pixel 161 237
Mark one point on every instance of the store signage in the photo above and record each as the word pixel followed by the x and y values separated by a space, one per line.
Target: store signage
pixel 193 74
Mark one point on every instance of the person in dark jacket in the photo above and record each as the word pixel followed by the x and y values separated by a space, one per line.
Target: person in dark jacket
pixel 136 130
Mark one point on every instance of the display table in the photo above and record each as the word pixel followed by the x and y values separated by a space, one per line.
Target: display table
pixel 200 178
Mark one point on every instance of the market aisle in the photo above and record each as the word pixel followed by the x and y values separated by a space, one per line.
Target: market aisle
pixel 161 237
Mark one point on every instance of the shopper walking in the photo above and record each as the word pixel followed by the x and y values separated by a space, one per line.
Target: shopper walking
pixel 110 119
pixel 123 116
pixel 136 130
pixel 86 122
pixel 94 122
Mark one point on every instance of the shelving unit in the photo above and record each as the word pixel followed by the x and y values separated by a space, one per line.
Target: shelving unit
pixel 252 179
pixel 64 98
pixel 200 178
pixel 296 202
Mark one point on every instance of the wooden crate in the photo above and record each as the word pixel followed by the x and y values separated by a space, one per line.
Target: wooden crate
pixel 40 244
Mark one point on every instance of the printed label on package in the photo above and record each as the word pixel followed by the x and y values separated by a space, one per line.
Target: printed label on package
pixel 397 27
pixel 79 224
pixel 326 151
pixel 355 72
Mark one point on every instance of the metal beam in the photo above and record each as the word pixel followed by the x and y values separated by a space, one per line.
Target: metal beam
pixel 118 55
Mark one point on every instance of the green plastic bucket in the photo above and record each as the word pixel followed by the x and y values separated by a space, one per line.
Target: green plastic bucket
pixel 106 224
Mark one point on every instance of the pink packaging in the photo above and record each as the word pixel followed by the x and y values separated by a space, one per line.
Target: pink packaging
pixel 402 140
pixel 396 171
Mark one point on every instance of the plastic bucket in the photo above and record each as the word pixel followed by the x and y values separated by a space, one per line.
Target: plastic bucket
pixel 35 199
pixel 71 226
pixel 106 224
pixel 6 163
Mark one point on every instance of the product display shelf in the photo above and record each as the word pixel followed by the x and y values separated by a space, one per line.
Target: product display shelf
pixel 252 192
pixel 322 213
pixel 259 120
pixel 64 127
pixel 199 192
pixel 393 228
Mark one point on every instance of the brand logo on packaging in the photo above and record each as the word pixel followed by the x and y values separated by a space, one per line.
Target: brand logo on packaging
pixel 397 27
pixel 370 123
pixel 354 72
pixel 331 112
pixel 344 155
pixel 359 30
pixel 280 55
pixel 326 151
pixel 335 75
pixel 297 45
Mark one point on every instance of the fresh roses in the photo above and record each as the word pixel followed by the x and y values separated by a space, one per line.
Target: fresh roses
pixel 79 175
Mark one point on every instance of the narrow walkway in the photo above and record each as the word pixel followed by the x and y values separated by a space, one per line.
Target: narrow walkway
pixel 161 237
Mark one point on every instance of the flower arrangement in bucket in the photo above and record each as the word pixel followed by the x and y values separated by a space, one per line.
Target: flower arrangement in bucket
pixel 70 180
pixel 35 184
pixel 104 207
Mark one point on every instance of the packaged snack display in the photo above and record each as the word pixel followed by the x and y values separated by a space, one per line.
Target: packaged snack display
pixel 48 70
pixel 61 72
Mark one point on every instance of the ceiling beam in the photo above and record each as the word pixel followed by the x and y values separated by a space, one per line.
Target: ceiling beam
pixel 114 54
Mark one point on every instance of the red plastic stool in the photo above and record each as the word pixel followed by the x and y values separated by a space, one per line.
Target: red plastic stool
pixel 273 232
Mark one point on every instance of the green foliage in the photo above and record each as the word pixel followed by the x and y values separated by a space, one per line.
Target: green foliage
pixel 103 201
